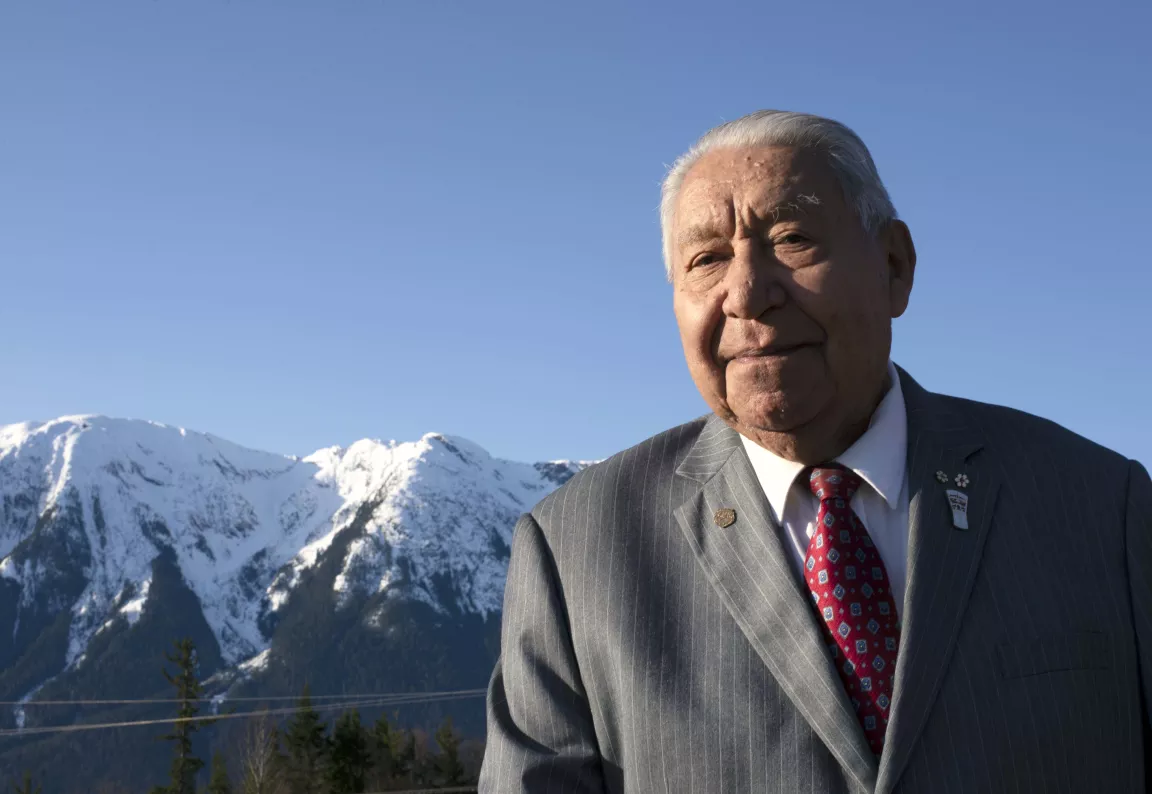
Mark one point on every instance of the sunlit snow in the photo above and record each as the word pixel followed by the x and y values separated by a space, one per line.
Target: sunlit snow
pixel 243 525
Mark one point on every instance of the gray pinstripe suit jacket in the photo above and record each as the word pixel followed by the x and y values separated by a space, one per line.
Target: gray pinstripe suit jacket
pixel 646 649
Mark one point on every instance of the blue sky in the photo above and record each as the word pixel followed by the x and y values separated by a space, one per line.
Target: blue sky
pixel 297 224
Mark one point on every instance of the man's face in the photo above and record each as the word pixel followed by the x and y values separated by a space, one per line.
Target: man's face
pixel 784 301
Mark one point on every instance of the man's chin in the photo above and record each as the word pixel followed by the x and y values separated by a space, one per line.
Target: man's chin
pixel 770 416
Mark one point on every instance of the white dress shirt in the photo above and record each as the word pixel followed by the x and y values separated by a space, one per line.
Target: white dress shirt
pixel 879 457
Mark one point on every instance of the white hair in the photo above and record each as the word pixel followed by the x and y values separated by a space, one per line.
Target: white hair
pixel 845 152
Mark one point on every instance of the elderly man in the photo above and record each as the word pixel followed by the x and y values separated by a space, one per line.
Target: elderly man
pixel 836 581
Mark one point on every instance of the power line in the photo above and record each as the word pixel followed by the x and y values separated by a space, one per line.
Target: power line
pixel 134 701
pixel 210 718
pixel 416 698
pixel 461 790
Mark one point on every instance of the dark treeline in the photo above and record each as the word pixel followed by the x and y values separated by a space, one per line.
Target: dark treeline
pixel 304 754
pixel 309 755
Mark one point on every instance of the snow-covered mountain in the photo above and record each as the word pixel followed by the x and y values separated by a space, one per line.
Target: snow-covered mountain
pixel 93 510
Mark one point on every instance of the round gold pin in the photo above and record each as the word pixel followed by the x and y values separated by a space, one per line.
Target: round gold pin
pixel 725 517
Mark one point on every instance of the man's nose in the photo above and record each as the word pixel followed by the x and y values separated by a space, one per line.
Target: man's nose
pixel 754 282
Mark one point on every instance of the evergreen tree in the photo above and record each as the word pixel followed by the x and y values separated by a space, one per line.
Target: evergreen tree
pixel 350 756
pixel 395 751
pixel 27 786
pixel 381 747
pixel 218 782
pixel 449 770
pixel 185 765
pixel 305 759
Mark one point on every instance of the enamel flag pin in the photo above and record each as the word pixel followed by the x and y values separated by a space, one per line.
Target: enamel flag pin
pixel 958 501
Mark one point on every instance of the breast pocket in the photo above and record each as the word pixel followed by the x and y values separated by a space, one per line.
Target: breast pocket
pixel 1053 653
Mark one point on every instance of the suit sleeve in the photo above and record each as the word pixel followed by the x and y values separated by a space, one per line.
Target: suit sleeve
pixel 540 731
pixel 1139 542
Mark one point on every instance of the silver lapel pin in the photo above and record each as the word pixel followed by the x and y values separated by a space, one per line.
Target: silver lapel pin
pixel 958 502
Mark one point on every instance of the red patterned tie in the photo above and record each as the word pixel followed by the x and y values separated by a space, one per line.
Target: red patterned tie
pixel 849 587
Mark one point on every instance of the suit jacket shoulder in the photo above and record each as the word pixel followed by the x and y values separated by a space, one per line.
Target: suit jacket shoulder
pixel 603 489
pixel 1020 434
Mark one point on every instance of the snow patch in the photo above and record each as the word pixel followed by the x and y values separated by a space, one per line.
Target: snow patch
pixel 18 710
pixel 132 609
pixel 256 663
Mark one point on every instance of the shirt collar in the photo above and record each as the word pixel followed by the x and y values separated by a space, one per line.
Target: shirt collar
pixel 878 456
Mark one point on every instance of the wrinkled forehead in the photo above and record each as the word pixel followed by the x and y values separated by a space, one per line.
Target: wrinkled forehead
pixel 758 180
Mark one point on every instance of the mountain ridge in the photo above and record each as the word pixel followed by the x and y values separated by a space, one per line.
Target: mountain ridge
pixel 98 516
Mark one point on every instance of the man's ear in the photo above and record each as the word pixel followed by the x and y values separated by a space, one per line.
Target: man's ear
pixel 901 253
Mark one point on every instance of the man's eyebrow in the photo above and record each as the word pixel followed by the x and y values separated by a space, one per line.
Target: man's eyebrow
pixel 796 206
pixel 694 235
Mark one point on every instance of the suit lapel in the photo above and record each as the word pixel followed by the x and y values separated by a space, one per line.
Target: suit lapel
pixel 942 560
pixel 748 565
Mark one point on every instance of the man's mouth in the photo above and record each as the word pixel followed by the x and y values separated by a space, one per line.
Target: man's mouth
pixel 769 351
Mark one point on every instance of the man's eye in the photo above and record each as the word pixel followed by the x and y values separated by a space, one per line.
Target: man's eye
pixel 792 238
pixel 704 260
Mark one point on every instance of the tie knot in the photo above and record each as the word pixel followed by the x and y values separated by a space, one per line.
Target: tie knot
pixel 833 481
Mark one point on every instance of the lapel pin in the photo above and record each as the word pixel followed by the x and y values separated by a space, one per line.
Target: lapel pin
pixel 942 477
pixel 958 501
pixel 725 517
pixel 962 480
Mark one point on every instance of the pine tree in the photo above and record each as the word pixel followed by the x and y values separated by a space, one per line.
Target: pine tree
pixel 185 765
pixel 381 746
pixel 218 782
pixel 450 770
pixel 402 751
pixel 303 764
pixel 27 786
pixel 350 756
